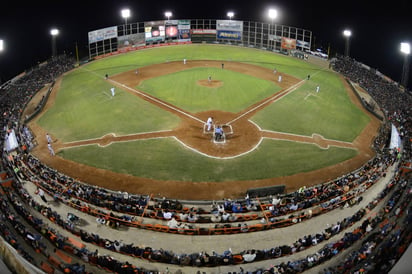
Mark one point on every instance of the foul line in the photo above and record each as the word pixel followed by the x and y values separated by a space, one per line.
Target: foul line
pixel 150 98
pixel 289 89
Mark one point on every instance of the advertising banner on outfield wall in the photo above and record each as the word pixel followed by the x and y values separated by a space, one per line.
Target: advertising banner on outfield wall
pixel 183 27
pixel 131 41
pixel 231 25
pixel 229 35
pixel 171 29
pixel 203 35
pixel 229 29
pixel 154 31
pixel 288 43
pixel 102 34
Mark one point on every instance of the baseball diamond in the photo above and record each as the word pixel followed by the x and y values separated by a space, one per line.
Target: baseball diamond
pixel 275 134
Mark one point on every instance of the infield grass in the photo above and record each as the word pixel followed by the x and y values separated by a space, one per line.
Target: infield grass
pixel 236 91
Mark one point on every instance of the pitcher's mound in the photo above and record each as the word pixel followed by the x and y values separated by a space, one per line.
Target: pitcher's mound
pixel 210 84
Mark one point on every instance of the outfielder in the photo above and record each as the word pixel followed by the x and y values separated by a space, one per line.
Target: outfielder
pixel 112 91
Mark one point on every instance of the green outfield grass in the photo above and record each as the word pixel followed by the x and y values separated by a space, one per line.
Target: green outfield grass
pixel 167 159
pixel 329 113
pixel 84 109
pixel 237 91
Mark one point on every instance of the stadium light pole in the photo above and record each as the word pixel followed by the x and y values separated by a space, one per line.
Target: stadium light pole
pixel 1 50
pixel 125 15
pixel 230 14
pixel 54 32
pixel 273 13
pixel 347 33
pixel 406 50
pixel 168 14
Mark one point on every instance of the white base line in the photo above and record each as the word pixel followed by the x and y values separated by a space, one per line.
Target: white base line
pixel 265 102
pixel 147 96
pixel 114 135
pixel 158 101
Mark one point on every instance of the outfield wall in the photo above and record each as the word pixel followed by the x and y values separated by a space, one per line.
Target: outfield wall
pixel 266 36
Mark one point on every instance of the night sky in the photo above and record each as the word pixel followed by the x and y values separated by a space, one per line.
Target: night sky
pixel 377 30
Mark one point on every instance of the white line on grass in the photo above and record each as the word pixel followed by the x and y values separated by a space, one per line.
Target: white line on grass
pixel 114 135
pixel 150 98
pixel 291 88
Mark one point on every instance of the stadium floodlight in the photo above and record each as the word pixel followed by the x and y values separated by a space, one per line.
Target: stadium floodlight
pixel 230 14
pixel 273 14
pixel 1 45
pixel 406 50
pixel 125 15
pixel 347 33
pixel 54 32
pixel 168 14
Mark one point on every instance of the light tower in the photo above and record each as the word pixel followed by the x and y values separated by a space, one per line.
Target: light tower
pixel 168 14
pixel 272 13
pixel 347 33
pixel 406 50
pixel 230 14
pixel 54 32
pixel 125 15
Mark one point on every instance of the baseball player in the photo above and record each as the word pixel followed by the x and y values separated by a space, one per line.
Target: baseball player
pixel 209 123
pixel 49 146
pixel 112 91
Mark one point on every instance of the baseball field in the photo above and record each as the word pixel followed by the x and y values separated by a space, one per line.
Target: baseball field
pixel 150 137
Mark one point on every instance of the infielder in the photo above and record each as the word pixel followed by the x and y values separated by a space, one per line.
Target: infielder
pixel 48 138
pixel 50 149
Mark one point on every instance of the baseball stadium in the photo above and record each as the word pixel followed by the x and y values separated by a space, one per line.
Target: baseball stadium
pixel 117 164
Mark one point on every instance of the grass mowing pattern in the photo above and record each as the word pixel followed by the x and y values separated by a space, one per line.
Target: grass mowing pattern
pixel 329 113
pixel 237 91
pixel 152 159
pixel 84 109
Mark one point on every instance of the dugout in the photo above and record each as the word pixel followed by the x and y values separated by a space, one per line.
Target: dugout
pixel 266 191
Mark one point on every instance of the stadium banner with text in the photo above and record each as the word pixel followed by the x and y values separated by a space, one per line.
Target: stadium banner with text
pixel 102 34
pixel 202 35
pixel 231 25
pixel 183 27
pixel 288 43
pixel 229 29
pixel 154 31
pixel 229 35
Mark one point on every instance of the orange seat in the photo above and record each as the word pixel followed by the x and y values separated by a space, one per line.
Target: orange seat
pixel 54 261
pixel 76 243
pixel 47 268
pixel 63 256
